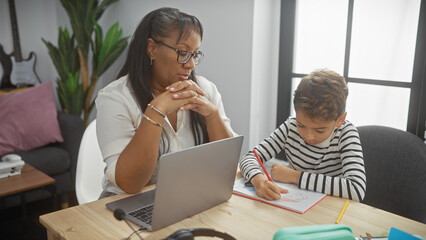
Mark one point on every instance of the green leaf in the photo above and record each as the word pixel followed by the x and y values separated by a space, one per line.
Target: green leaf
pixel 113 55
pixel 68 97
pixel 70 93
pixel 110 50
pixel 102 7
pixel 97 45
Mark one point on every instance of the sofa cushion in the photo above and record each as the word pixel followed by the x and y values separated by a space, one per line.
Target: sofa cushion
pixel 28 119
pixel 49 159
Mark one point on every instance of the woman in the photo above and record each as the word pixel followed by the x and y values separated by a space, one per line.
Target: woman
pixel 157 105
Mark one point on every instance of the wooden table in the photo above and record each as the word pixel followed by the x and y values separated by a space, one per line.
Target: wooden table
pixel 241 217
pixel 29 179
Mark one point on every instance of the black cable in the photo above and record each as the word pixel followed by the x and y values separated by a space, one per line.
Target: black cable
pixel 135 231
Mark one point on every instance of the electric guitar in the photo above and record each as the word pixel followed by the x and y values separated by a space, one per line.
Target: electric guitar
pixel 23 70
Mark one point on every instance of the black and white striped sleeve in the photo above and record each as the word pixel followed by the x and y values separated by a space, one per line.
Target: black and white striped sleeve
pixel 351 183
pixel 266 150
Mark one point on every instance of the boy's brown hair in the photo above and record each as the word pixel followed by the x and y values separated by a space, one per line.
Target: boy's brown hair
pixel 321 94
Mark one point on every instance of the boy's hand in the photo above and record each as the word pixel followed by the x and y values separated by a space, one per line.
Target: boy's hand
pixel 266 189
pixel 284 174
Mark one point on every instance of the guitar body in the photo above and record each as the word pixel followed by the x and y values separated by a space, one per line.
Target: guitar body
pixel 6 69
pixel 23 72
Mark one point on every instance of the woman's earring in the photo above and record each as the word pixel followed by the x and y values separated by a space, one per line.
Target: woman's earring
pixel 151 61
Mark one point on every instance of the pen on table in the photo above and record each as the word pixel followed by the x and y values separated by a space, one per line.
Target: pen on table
pixel 261 164
pixel 343 211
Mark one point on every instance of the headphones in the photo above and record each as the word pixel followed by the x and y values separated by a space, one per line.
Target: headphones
pixel 189 234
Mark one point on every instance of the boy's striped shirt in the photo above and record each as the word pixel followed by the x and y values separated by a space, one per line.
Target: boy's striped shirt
pixel 334 167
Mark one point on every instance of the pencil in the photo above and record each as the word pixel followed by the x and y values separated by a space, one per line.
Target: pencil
pixel 343 211
pixel 261 164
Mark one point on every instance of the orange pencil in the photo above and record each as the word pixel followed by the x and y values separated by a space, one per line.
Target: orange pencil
pixel 261 164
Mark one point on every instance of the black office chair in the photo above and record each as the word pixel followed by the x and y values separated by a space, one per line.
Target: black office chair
pixel 395 164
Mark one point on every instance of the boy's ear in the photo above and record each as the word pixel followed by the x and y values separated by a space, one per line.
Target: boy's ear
pixel 341 119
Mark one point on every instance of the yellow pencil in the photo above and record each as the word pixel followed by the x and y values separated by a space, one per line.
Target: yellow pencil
pixel 343 211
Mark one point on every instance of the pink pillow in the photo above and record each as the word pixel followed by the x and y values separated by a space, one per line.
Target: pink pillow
pixel 28 119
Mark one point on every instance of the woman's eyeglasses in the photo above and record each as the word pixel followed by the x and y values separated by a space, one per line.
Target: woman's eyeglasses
pixel 183 55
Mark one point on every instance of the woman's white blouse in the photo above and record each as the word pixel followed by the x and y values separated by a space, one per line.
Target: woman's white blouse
pixel 119 115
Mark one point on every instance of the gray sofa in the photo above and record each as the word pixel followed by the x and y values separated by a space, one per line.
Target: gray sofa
pixel 57 160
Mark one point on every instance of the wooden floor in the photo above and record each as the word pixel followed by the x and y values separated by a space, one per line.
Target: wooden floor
pixel 14 226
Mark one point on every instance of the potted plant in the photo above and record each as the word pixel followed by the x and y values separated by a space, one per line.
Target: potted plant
pixel 77 79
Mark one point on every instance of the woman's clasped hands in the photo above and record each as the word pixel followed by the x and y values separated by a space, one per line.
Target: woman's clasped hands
pixel 184 95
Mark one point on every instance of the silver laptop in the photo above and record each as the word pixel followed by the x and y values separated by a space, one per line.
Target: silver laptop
pixel 189 182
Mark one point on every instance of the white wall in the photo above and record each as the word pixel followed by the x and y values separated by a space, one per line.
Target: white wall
pixel 240 44
pixel 264 84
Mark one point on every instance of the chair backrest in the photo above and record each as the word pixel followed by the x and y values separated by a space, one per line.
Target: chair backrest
pixel 395 164
pixel 90 167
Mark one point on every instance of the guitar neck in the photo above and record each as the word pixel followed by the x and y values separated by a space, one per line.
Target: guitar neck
pixel 15 34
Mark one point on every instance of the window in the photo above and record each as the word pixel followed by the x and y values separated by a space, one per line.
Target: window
pixel 377 45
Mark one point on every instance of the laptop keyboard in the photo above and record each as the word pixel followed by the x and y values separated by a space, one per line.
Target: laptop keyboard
pixel 144 214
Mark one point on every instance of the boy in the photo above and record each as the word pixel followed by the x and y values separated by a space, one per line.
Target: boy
pixel 322 148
